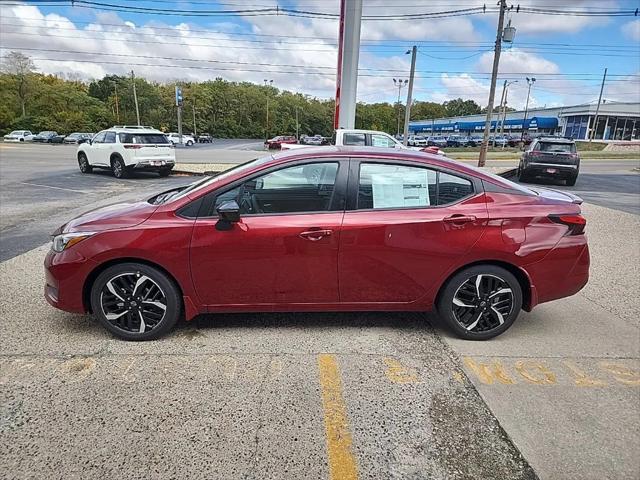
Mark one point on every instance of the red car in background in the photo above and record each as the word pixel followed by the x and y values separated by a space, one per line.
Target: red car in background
pixel 324 229
pixel 276 142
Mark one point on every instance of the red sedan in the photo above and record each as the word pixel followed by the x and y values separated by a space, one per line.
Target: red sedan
pixel 324 229
pixel 276 142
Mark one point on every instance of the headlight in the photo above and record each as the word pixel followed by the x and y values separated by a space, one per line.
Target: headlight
pixel 66 240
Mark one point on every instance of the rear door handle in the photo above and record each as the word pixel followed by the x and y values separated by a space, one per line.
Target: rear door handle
pixel 460 219
pixel 315 235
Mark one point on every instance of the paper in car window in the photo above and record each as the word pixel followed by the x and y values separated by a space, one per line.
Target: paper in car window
pixel 400 189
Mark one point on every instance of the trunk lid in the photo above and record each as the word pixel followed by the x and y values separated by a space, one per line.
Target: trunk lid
pixel 557 195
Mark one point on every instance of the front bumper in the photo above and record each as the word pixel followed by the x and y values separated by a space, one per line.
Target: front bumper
pixel 65 276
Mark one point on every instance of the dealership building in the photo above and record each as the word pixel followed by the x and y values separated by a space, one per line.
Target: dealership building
pixel 615 121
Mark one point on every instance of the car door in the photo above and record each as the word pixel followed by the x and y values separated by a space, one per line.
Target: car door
pixel 284 249
pixel 108 147
pixel 95 151
pixel 405 226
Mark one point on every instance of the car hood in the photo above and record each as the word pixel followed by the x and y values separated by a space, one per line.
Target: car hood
pixel 111 217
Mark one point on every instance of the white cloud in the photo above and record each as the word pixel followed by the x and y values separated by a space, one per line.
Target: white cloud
pixel 632 30
pixel 517 61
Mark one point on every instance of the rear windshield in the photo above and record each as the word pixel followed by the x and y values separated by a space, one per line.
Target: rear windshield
pixel 556 147
pixel 143 138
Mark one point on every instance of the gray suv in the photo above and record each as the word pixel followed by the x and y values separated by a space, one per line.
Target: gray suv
pixel 551 157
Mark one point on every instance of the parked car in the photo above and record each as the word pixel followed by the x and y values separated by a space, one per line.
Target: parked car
pixel 353 138
pixel 513 140
pixel 474 140
pixel 18 136
pixel 174 138
pixel 78 138
pixel 44 136
pixel 416 141
pixel 315 140
pixel 551 157
pixel 498 141
pixel 410 231
pixel 277 142
pixel 457 141
pixel 125 149
pixel 59 138
pixel 437 141
pixel 205 138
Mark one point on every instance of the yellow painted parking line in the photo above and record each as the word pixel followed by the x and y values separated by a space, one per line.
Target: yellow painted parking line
pixel 342 463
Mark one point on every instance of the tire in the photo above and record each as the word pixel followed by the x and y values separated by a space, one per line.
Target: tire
pixel 484 317
pixel 571 181
pixel 118 168
pixel 522 175
pixel 189 143
pixel 111 295
pixel 165 172
pixel 83 163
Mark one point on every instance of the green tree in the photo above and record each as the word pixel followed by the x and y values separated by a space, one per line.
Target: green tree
pixel 19 67
pixel 459 107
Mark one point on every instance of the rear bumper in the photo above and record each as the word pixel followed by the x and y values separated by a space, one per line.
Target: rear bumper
pixel 160 164
pixel 562 273
pixel 561 170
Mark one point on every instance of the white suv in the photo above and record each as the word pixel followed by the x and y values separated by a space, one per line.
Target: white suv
pixel 123 149
pixel 187 140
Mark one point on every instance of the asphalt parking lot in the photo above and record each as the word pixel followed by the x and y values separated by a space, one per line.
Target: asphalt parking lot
pixel 338 396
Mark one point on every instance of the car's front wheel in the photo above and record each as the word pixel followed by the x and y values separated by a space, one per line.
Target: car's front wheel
pixel 165 172
pixel 480 302
pixel 135 301
pixel 189 143
pixel 83 163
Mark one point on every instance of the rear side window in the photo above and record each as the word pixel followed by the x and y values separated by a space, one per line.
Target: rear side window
pixel 110 137
pixel 401 186
pixel 143 138
pixel 555 147
pixel 353 139
pixel 382 141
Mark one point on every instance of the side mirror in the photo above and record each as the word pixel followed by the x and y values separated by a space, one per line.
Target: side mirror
pixel 229 213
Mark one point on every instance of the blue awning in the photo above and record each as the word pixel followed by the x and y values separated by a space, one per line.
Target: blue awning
pixel 511 124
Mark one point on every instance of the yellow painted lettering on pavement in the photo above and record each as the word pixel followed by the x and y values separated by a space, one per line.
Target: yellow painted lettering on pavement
pixel 399 373
pixel 535 372
pixel 581 379
pixel 621 373
pixel 489 373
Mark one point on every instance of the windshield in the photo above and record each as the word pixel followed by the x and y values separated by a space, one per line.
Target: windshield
pixel 206 181
pixel 556 147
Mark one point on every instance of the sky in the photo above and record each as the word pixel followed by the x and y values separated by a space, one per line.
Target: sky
pixel 171 42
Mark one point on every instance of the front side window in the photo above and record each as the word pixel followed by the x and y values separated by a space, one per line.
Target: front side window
pixel 301 188
pixel 355 139
pixel 99 138
pixel 402 186
pixel 382 141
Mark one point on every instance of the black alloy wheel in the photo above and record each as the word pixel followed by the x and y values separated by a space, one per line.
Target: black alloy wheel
pixel 480 302
pixel 135 301
pixel 83 163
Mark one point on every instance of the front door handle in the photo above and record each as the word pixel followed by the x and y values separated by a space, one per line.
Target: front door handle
pixel 315 235
pixel 460 219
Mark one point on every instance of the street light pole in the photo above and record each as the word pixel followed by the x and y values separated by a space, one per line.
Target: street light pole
pixel 530 82
pixel 135 97
pixel 504 108
pixel 595 119
pixel 115 87
pixel 492 89
pixel 407 110
pixel 399 83
pixel 297 126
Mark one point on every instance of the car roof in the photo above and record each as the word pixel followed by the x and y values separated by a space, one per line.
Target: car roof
pixel 133 129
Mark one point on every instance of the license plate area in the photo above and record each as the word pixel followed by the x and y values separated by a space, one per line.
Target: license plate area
pixel 551 170
pixel 157 163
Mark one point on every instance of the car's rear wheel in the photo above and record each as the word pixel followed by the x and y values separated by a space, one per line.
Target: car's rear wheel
pixel 571 181
pixel 189 143
pixel 118 168
pixel 135 301
pixel 164 172
pixel 480 302
pixel 522 174
pixel 83 163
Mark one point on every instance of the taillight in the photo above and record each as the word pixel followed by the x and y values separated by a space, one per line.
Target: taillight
pixel 133 146
pixel 575 222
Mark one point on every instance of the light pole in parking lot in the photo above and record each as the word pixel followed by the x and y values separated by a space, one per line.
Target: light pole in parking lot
pixel 115 87
pixel 530 82
pixel 399 83
pixel 266 127
pixel 135 97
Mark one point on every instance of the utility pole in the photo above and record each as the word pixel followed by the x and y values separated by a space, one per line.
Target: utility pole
pixel 135 97
pixel 266 128
pixel 407 110
pixel 530 82
pixel 492 89
pixel 115 86
pixel 179 106
pixel 195 132
pixel 595 119
pixel 500 106
pixel 399 83
pixel 297 125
